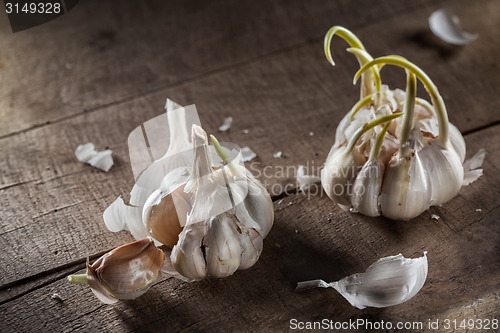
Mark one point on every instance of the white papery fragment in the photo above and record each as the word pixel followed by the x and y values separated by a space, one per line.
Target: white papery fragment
pixel 472 167
pixel 305 181
pixel 387 282
pixel 226 125
pixel 99 159
pixel 247 154
pixel 446 25
pixel 278 154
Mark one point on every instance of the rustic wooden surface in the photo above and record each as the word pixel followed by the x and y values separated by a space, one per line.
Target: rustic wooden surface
pixel 99 71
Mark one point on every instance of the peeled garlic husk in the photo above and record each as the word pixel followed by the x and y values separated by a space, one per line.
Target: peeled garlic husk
pixel 126 272
pixel 420 162
pixel 122 216
pixel 387 282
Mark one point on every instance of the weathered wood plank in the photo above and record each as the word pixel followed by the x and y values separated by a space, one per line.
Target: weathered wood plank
pixel 102 52
pixel 55 203
pixel 310 239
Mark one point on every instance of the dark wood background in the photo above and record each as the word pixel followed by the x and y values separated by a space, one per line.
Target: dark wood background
pixel 105 67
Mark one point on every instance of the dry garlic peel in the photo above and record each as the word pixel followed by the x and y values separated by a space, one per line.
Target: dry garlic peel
pixel 126 272
pixel 387 282
pixel 121 216
pixel 405 167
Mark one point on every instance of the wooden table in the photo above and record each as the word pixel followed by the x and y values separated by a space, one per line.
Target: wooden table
pixel 105 67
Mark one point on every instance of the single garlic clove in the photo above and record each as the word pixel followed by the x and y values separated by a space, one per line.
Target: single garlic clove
pixel 222 246
pixel 405 190
pixel 389 281
pixel 340 169
pixel 188 255
pixel 251 245
pixel 446 172
pixel 165 220
pixel 366 188
pixel 126 272
pixel 457 141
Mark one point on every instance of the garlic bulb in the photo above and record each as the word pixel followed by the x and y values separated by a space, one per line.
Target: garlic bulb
pixel 224 214
pixel 410 164
pixel 124 273
pixel 211 218
pixel 387 282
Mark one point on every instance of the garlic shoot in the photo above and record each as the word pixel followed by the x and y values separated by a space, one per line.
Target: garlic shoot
pixel 387 282
pixel 409 165
pixel 124 273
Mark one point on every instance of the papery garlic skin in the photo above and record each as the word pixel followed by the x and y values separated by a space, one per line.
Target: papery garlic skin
pixel 387 282
pixel 126 272
pixel 121 216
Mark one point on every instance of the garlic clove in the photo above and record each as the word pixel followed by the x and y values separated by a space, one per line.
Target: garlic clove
pixel 340 169
pixel 188 257
pixel 445 171
pixel 251 245
pixel 165 220
pixel 126 272
pixel 457 141
pixel 222 246
pixel 387 282
pixel 405 190
pixel 367 187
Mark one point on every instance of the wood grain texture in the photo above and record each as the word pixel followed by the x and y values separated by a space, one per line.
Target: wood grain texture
pixel 102 52
pixel 279 99
pixel 311 238
pixel 262 64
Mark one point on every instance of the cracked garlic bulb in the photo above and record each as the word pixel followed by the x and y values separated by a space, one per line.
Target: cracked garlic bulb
pixel 211 219
pixel 224 214
pixel 126 272
pixel 399 169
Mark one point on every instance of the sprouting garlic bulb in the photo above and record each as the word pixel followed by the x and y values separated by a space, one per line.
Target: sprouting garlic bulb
pixel 387 282
pixel 219 215
pixel 126 272
pixel 401 169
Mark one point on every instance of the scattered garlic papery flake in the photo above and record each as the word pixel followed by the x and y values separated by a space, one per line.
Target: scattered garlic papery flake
pixel 305 181
pixel 435 217
pixel 446 25
pixel 87 154
pixel 389 281
pixel 278 154
pixel 472 167
pixel 226 125
pixel 247 154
